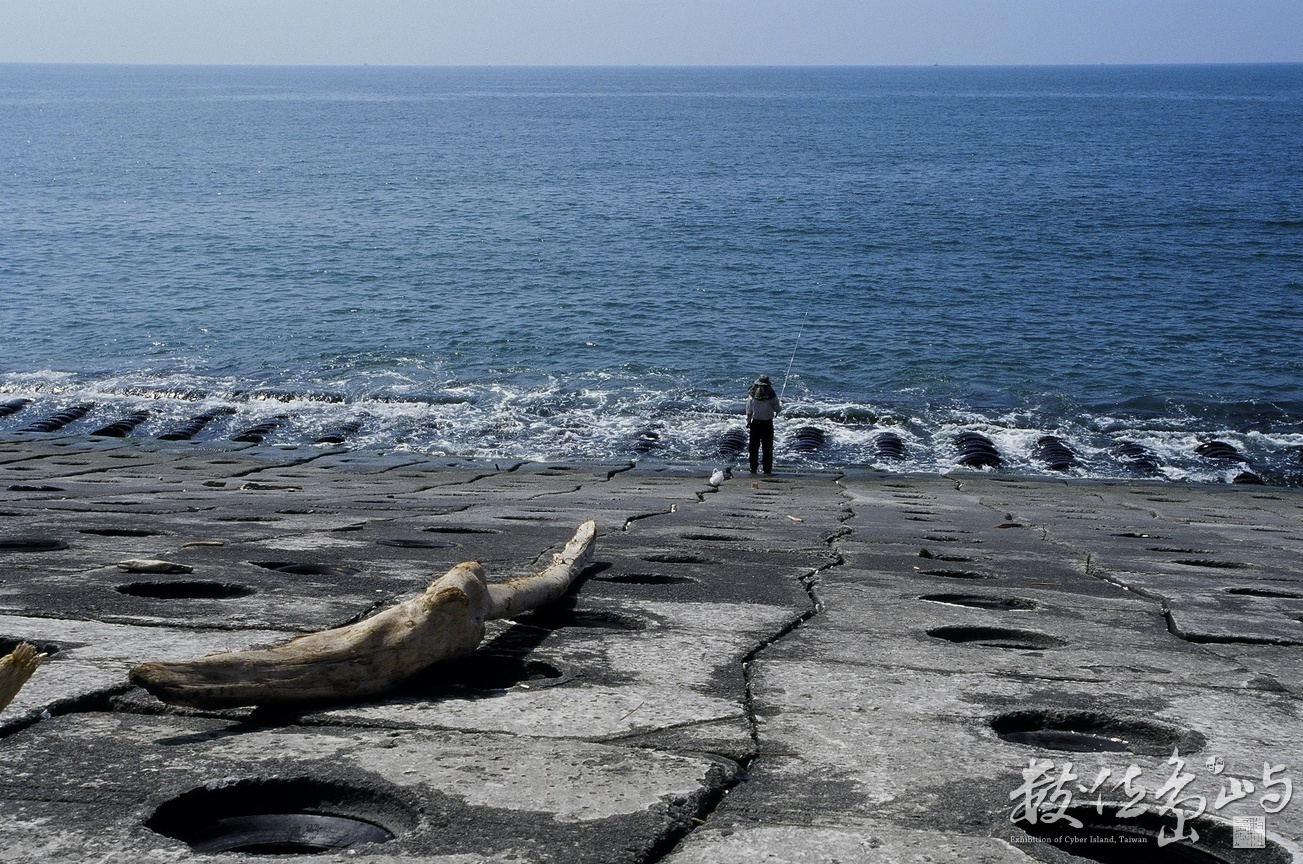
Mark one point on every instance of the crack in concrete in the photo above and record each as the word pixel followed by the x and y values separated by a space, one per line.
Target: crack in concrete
pixel 578 488
pixel 494 473
pixel 628 523
pixel 96 701
pixel 611 474
pixel 1092 571
pixel 809 582
pixel 1208 639
pixel 708 800
pixel 279 466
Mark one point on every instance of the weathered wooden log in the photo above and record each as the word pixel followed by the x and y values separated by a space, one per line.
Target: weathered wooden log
pixel 515 596
pixel 369 657
pixel 15 668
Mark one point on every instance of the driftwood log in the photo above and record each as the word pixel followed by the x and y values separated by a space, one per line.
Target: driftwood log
pixel 369 657
pixel 15 668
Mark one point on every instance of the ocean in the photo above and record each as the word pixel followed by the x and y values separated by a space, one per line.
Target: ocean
pixel 592 264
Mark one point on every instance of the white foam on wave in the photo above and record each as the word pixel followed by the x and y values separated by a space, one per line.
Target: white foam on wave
pixel 600 416
pixel 41 381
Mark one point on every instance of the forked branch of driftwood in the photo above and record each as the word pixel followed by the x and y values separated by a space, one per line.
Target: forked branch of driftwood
pixel 15 668
pixel 369 657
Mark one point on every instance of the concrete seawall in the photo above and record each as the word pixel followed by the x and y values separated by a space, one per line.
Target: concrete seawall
pixel 812 668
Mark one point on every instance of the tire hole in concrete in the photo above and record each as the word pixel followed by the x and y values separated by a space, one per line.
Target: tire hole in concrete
pixel 557 619
pixel 457 530
pixel 957 574
pixel 280 817
pixel 299 569
pixel 1236 639
pixel 185 590
pixel 713 538
pixel 1208 562
pixel 1266 592
pixel 1093 732
pixel 1108 839
pixel 997 637
pixel 981 601
pixel 118 532
pixel 646 579
pixel 289 834
pixel 942 556
pixel 676 558
pixel 404 543
pixel 31 544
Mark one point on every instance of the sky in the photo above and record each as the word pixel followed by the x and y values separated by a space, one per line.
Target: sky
pixel 650 32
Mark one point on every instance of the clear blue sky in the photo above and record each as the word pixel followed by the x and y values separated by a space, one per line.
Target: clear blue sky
pixel 668 32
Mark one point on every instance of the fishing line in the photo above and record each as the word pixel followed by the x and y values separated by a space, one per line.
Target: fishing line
pixel 794 347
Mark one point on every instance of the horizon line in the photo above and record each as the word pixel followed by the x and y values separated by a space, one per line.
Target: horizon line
pixel 976 65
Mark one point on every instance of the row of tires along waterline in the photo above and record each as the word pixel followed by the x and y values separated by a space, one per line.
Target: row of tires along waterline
pixel 185 430
pixel 975 450
pixel 968 448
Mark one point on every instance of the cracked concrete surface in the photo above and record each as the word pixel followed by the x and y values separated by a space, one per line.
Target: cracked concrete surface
pixel 876 729
pixel 795 668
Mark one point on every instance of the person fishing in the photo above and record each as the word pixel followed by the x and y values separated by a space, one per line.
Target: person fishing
pixel 763 405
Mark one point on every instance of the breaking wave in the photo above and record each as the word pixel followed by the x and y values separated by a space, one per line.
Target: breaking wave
pixel 595 417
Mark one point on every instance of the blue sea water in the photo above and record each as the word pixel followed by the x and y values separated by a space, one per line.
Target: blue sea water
pixel 593 264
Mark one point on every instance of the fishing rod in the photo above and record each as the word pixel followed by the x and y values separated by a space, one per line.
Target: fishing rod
pixel 794 347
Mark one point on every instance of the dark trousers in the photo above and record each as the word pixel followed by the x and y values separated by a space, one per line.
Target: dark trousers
pixel 762 435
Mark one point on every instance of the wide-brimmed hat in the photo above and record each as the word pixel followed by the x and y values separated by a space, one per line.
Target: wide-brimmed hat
pixel 763 379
